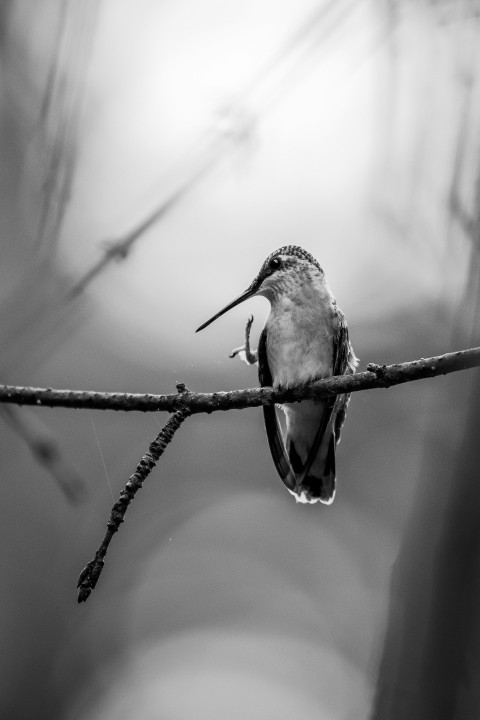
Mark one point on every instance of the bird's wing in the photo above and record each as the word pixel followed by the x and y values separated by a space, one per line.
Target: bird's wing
pixel 341 346
pixel 272 426
pixel 345 362
pixel 341 349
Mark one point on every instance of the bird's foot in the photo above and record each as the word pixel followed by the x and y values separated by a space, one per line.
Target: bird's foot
pixel 244 352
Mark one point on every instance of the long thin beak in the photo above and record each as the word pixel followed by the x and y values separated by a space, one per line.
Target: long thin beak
pixel 249 292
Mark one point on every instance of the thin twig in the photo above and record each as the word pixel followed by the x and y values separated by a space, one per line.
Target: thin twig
pixel 90 574
pixel 376 376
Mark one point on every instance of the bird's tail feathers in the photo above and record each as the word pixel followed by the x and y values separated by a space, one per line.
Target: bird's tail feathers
pixel 316 484
pixel 314 480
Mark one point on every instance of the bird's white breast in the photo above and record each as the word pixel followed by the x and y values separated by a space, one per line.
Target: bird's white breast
pixel 300 339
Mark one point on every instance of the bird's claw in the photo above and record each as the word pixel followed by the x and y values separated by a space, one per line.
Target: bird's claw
pixel 248 326
pixel 243 355
pixel 237 351
pixel 244 352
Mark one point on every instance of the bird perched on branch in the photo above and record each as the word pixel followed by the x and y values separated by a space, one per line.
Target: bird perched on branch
pixel 305 339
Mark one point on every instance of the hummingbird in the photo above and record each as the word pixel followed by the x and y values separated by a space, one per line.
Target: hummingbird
pixel 305 339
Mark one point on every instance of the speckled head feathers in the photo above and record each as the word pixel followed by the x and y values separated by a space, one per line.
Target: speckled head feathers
pixel 284 270
pixel 294 251
pixel 287 266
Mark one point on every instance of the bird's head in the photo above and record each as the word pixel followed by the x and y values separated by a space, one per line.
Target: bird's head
pixel 287 271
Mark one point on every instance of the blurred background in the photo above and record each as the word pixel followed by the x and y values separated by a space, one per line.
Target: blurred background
pixel 153 153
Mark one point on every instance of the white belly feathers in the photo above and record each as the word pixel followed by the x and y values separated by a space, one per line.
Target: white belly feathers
pixel 299 343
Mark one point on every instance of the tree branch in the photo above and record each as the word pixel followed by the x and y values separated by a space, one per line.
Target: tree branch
pixel 376 376
pixel 90 574
pixel 186 403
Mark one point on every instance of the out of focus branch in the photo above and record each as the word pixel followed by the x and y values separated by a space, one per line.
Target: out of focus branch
pixel 269 83
pixel 46 450
pixel 376 376
pixel 469 223
pixel 120 249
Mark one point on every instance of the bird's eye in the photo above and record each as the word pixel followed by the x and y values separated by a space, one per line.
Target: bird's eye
pixel 275 263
